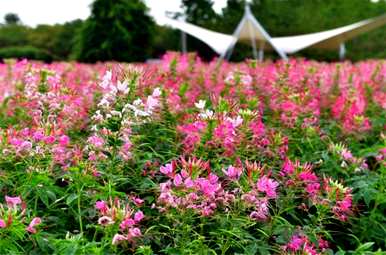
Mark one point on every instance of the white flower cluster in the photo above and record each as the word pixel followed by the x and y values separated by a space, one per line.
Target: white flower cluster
pixel 204 113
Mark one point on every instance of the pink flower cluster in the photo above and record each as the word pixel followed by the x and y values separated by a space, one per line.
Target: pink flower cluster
pixel 12 213
pixel 124 215
pixel 35 142
pixel 258 197
pixel 204 192
pixel 300 243
pixel 186 190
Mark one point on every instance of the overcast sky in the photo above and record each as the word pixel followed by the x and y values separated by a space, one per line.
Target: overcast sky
pixel 33 12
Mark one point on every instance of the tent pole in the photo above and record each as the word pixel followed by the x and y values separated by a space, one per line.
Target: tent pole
pixel 261 52
pixel 266 36
pixel 342 51
pixel 183 39
pixel 183 42
pixel 236 36
pixel 253 40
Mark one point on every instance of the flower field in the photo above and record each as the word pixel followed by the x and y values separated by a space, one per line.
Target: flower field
pixel 186 157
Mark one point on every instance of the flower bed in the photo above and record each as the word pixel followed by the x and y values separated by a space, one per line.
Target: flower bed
pixel 186 157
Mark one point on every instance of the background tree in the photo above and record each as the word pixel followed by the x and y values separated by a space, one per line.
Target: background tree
pixel 118 30
pixel 165 39
pixel 11 19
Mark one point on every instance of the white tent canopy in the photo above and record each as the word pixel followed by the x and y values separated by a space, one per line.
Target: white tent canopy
pixel 330 39
pixel 217 41
pixel 249 29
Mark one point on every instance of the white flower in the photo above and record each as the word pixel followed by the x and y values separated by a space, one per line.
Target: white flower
pixel 156 92
pixel 116 113
pixel 104 102
pixel 151 103
pixel 246 80
pixel 137 102
pixel 122 87
pixel 106 80
pixel 236 121
pixel 208 114
pixel 141 113
pixel 201 104
pixel 105 220
pixel 230 78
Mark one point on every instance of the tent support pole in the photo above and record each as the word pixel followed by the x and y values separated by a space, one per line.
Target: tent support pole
pixel 183 39
pixel 342 51
pixel 253 40
pixel 236 36
pixel 261 52
pixel 183 42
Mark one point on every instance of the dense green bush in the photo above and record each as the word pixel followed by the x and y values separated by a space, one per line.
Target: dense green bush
pixel 119 30
pixel 28 52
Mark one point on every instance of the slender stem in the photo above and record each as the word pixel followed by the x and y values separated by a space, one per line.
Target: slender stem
pixel 80 211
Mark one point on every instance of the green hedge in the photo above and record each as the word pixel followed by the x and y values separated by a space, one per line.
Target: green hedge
pixel 28 52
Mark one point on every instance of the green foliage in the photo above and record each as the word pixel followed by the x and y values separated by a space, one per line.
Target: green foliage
pixel 59 40
pixel 28 52
pixel 13 35
pixel 116 30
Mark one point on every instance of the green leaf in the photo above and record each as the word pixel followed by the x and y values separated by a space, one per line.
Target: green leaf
pixel 71 198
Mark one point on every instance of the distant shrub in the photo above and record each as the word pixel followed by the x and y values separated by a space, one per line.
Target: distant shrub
pixel 28 52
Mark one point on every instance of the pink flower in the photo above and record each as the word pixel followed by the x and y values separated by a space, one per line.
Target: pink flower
pixel 118 239
pixel 206 187
pixel 12 202
pixel 188 183
pixel 167 169
pixel 308 176
pixel 233 173
pixel 96 141
pixel 137 201
pixel 49 139
pixel 288 167
pixel 212 178
pixel 134 232
pixel 345 204
pixel 261 212
pixel 2 223
pixel 25 146
pixel 127 223
pixel 296 243
pixel 34 222
pixel 138 216
pixel 177 181
pixel 101 206
pixel 313 188
pixel 64 140
pixel 267 185
pixel 38 135
pixel 323 244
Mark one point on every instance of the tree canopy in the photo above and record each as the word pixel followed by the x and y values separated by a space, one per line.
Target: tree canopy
pixel 116 30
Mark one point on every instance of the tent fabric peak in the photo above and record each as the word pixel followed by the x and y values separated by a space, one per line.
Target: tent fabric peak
pixel 250 30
